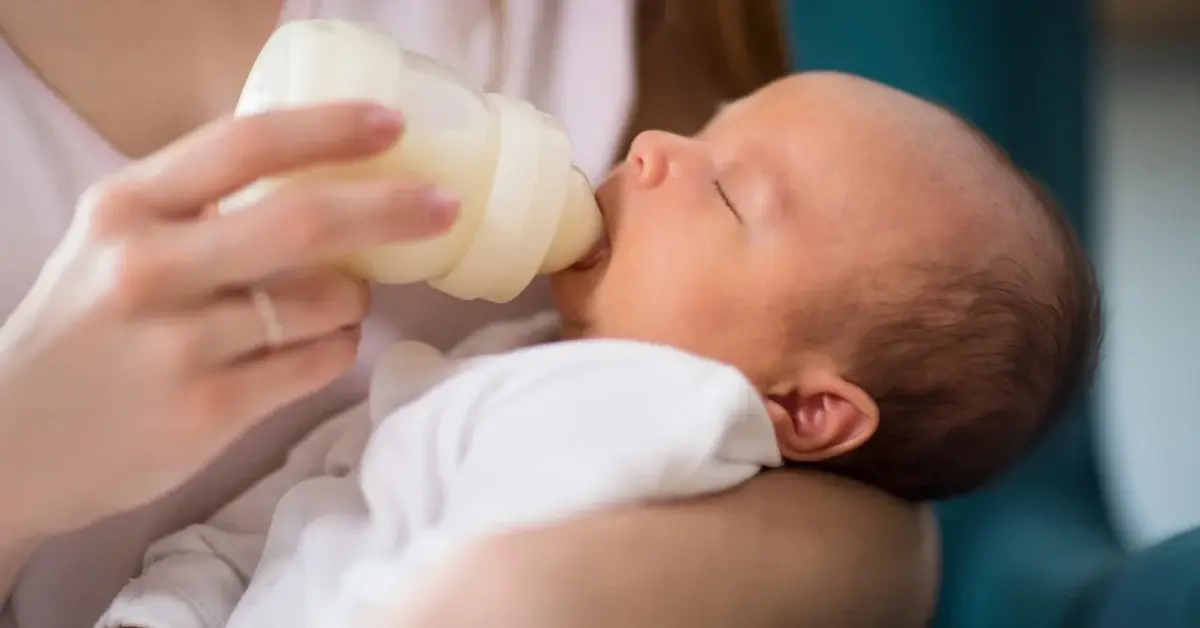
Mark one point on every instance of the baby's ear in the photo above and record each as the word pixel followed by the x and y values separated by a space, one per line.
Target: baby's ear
pixel 821 415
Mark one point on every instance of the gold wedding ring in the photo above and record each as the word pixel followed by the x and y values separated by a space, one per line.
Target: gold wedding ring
pixel 272 328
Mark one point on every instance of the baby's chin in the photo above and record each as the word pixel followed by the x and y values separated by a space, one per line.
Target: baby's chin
pixel 571 289
pixel 571 330
pixel 569 293
pixel 573 293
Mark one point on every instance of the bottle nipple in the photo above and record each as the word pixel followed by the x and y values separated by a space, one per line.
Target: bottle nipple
pixel 580 226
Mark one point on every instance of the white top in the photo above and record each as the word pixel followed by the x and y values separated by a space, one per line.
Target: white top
pixel 448 449
pixel 572 58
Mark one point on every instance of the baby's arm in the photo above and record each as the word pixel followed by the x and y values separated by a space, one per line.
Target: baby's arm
pixel 611 422
pixel 195 577
pixel 583 427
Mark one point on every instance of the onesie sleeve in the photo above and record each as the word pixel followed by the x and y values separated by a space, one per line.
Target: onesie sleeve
pixel 195 577
pixel 596 424
pixel 568 429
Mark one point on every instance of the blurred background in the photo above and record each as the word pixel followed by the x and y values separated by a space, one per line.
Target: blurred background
pixel 1100 527
pixel 1147 243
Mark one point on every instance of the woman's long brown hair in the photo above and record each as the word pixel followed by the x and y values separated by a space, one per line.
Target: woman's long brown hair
pixel 695 54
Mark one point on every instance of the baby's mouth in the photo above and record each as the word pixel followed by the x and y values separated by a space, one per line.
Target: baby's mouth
pixel 595 256
pixel 602 247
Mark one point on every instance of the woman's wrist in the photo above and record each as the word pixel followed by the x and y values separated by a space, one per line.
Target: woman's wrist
pixel 18 532
pixel 21 509
pixel 15 551
pixel 20 536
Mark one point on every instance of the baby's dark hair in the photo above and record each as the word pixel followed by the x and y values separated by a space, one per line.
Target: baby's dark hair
pixel 972 366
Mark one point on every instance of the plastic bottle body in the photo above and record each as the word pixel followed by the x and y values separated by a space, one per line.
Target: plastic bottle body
pixel 522 209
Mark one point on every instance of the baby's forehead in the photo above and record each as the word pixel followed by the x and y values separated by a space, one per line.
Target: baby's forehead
pixel 819 134
pixel 848 108
pixel 862 160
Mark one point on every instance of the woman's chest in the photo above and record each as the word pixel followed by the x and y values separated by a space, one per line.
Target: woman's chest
pixel 44 166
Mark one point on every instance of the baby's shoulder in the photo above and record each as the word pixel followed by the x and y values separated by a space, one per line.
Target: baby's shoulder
pixel 600 367
pixel 619 394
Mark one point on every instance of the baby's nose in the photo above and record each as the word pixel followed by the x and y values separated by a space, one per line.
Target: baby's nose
pixel 652 155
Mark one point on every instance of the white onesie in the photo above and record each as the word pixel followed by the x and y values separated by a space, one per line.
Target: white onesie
pixel 495 435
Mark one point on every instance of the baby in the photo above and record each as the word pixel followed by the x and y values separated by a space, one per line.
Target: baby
pixel 832 274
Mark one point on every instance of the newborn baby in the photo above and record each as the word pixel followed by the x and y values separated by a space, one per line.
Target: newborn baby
pixel 832 274
pixel 911 307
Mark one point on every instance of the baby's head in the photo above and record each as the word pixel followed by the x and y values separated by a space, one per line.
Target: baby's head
pixel 912 308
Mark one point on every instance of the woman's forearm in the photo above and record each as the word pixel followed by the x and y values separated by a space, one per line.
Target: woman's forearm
pixel 787 550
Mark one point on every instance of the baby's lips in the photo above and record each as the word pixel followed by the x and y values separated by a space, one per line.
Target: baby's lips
pixel 594 256
pixel 603 245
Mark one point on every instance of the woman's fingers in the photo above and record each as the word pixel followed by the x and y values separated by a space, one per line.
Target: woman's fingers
pixel 306 308
pixel 299 226
pixel 309 224
pixel 257 387
pixel 221 158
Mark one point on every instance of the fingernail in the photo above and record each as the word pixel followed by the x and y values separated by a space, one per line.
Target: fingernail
pixel 383 123
pixel 442 207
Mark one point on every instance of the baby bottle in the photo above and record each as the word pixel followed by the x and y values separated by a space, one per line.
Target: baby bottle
pixel 524 209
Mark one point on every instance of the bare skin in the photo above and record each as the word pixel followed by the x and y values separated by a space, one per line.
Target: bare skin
pixel 141 73
pixel 786 550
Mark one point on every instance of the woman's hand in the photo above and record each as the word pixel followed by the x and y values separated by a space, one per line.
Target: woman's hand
pixel 142 351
